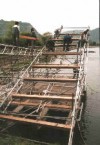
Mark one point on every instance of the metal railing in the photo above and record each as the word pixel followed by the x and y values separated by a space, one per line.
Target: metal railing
pixel 79 90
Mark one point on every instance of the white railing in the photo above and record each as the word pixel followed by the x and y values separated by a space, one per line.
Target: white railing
pixel 77 96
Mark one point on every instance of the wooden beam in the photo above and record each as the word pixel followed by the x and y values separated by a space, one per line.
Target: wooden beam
pixel 20 107
pixel 25 96
pixel 61 80
pixel 61 45
pixel 14 55
pixel 63 66
pixel 28 37
pixel 59 39
pixel 51 106
pixel 36 122
pixel 62 53
pixel 72 34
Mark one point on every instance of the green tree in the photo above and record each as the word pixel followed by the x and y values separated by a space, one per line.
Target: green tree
pixel 9 29
pixel 8 35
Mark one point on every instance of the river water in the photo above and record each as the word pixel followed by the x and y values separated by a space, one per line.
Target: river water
pixel 92 108
pixel 90 126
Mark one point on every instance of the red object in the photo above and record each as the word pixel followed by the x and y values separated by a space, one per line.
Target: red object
pixel 28 37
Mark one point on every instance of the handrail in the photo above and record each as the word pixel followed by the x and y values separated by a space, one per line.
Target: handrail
pixel 77 96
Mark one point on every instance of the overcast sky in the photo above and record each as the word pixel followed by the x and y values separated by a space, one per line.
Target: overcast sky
pixel 47 15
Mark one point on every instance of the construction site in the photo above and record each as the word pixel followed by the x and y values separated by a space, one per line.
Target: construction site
pixel 44 89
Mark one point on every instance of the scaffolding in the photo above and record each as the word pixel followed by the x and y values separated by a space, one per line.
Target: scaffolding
pixel 52 82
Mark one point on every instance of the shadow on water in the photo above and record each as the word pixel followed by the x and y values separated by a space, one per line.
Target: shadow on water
pixel 41 134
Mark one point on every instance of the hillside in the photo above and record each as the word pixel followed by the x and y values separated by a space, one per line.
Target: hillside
pixel 94 35
pixel 6 25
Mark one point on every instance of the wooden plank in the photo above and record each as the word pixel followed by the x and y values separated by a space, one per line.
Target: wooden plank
pixel 62 53
pixel 51 106
pixel 25 96
pixel 61 45
pixel 28 37
pixel 36 122
pixel 59 39
pixel 14 55
pixel 40 92
pixel 61 80
pixel 20 107
pixel 69 66
pixel 72 34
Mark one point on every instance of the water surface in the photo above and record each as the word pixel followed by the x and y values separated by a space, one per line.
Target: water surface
pixel 91 119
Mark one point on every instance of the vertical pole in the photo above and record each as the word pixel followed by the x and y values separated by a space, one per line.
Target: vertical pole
pixel 72 100
pixel 32 47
